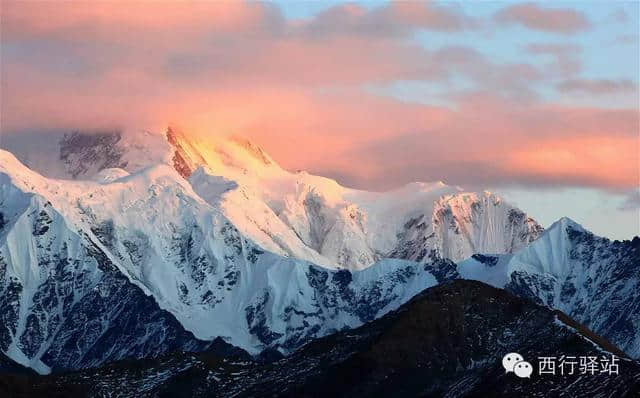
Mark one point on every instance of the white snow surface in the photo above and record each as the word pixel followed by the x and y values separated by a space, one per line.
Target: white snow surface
pixel 548 256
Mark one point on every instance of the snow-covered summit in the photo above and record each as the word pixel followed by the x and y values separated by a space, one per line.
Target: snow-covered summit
pixel 565 222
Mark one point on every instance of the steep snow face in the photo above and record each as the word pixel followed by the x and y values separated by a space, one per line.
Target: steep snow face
pixel 150 233
pixel 594 280
pixel 63 303
pixel 466 223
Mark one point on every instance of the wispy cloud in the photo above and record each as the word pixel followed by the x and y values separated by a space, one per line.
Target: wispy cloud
pixel 631 202
pixel 394 19
pixel 533 16
pixel 598 86
pixel 565 56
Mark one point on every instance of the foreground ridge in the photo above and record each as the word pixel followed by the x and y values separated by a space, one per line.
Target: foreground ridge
pixel 429 346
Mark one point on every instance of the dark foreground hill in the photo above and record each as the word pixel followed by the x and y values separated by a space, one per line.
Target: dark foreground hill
pixel 448 341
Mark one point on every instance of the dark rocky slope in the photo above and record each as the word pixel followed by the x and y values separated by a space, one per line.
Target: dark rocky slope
pixel 447 341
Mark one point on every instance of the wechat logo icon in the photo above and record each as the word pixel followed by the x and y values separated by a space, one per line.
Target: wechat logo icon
pixel 514 362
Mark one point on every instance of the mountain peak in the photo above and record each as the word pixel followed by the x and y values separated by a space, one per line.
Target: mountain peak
pixel 185 158
pixel 15 169
pixel 222 154
pixel 8 158
pixel 565 222
pixel 253 149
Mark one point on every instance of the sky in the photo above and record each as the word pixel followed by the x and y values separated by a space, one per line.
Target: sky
pixel 536 101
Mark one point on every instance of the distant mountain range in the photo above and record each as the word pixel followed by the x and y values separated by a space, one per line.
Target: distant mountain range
pixel 122 247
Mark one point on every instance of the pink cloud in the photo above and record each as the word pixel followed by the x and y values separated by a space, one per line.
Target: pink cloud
pixel 396 18
pixel 488 142
pixel 586 160
pixel 597 86
pixel 532 16
pixel 296 88
pixel 117 21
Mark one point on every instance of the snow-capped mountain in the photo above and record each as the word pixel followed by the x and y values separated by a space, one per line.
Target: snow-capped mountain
pixel 305 216
pixel 148 243
pixel 100 270
pixel 592 279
